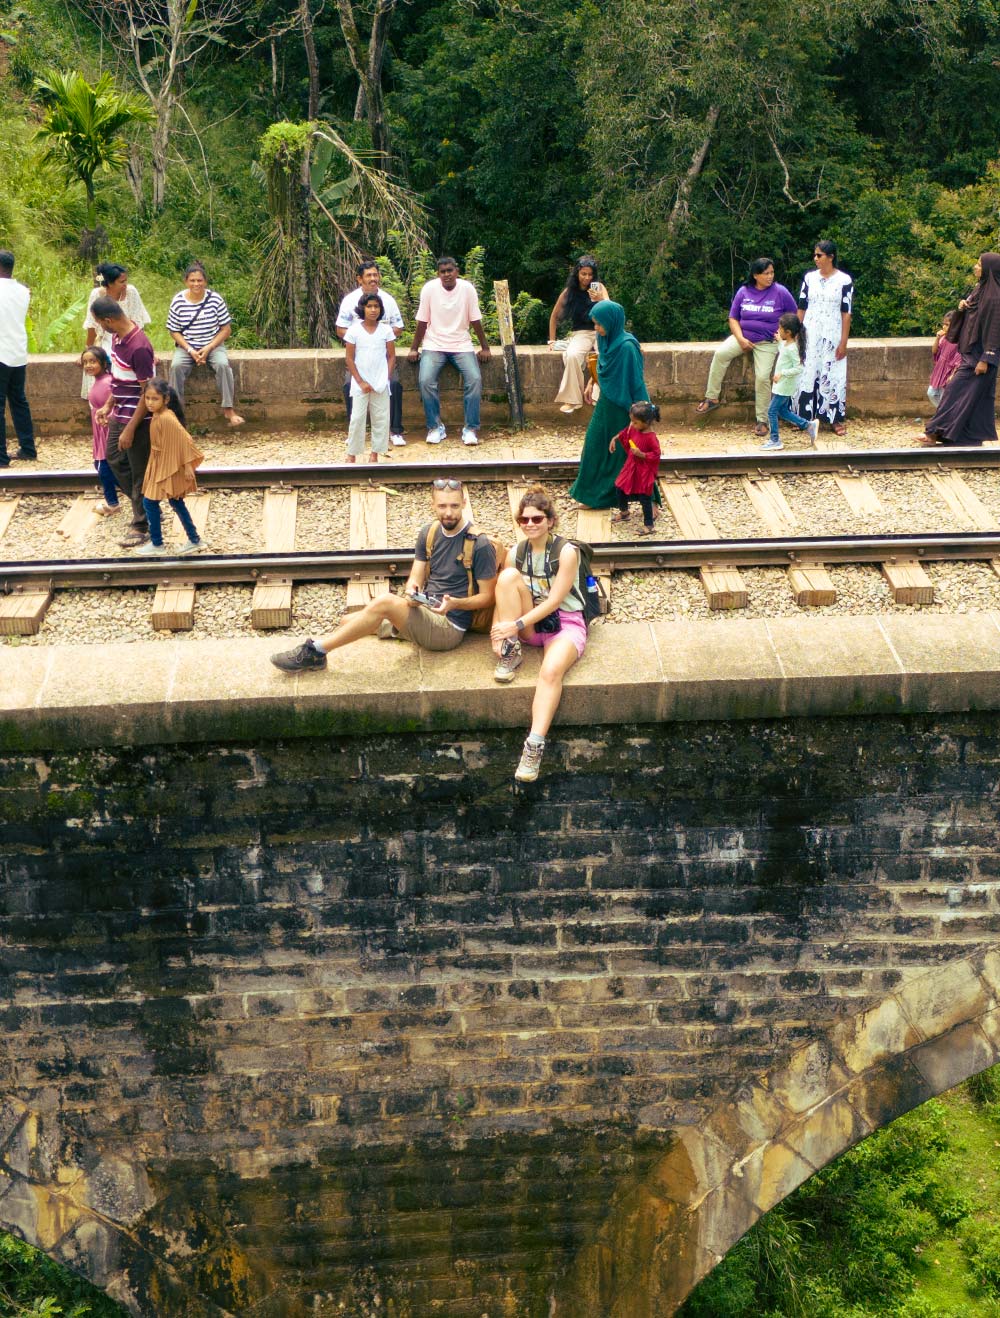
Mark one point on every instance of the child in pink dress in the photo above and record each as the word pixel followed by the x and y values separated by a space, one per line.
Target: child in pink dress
pixel 97 365
pixel 946 361
pixel 637 479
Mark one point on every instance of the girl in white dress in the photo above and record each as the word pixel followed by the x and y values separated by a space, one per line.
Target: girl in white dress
pixel 825 304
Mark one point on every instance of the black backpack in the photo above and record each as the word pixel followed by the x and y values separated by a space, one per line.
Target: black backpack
pixel 587 588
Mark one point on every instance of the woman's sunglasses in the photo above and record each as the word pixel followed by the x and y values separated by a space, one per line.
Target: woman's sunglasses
pixel 532 521
pixel 442 484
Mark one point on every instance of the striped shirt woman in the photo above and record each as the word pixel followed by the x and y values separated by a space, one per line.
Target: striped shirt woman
pixel 199 323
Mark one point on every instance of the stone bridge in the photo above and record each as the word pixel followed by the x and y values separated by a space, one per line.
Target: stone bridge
pixel 305 1011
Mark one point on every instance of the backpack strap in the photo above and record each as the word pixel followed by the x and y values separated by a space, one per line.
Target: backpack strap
pixel 432 531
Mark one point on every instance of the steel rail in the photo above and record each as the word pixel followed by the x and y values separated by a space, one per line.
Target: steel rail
pixel 692 465
pixel 218 569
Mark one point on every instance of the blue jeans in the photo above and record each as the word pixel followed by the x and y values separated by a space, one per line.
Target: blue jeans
pixel 152 508
pixel 780 409
pixel 108 483
pixel 431 366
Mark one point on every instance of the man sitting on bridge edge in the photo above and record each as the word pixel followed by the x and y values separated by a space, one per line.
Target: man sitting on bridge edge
pixel 435 609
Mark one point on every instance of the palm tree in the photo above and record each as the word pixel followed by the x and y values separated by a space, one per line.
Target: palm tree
pixel 84 127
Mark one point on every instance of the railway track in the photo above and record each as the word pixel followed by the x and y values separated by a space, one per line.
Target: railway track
pixel 27 585
pixel 689 466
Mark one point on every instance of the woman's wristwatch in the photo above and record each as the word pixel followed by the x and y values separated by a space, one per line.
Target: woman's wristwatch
pixel 519 624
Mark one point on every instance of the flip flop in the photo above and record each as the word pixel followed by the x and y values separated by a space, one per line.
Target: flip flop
pixel 707 405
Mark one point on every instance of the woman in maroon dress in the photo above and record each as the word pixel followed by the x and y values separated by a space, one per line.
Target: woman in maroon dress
pixel 966 415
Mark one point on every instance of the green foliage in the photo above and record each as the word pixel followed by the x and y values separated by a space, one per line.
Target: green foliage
pixel 33 1286
pixel 849 1242
pixel 84 126
pixel 981 1243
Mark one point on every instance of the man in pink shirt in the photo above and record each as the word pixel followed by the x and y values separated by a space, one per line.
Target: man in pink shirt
pixel 449 308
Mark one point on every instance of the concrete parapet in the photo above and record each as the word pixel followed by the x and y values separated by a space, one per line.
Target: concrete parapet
pixel 177 691
pixel 887 377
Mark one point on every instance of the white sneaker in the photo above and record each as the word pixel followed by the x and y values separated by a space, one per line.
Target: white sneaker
pixel 398 440
pixel 436 435
pixel 469 436
pixel 192 547
pixel 812 430
pixel 105 509
pixel 149 550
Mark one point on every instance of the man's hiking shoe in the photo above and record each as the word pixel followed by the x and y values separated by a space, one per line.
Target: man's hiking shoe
pixel 509 662
pixel 303 658
pixel 531 762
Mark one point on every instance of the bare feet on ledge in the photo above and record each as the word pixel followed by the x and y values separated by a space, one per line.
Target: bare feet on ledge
pixel 233 417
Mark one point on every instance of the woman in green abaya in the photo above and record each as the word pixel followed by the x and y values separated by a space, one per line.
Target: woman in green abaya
pixel 619 373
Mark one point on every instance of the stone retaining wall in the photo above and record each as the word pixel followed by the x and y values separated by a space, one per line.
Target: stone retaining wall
pixel 888 377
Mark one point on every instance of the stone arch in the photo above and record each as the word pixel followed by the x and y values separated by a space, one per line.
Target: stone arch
pixel 664 1234
pixel 85 1210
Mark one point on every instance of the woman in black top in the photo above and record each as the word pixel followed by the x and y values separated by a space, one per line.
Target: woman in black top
pixel 583 289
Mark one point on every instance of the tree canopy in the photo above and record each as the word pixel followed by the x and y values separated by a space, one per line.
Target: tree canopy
pixel 678 141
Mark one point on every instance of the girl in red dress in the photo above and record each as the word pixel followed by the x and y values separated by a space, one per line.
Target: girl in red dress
pixel 637 478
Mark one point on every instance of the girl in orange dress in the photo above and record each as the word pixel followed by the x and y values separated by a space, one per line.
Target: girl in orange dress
pixel 173 457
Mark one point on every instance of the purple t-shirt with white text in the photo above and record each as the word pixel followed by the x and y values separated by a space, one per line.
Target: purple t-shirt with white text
pixel 758 311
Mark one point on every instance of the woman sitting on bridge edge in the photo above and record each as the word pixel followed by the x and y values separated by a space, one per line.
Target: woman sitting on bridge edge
pixel 538 602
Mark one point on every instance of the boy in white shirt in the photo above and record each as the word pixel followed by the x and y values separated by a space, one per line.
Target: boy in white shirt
pixel 371 355
pixel 449 308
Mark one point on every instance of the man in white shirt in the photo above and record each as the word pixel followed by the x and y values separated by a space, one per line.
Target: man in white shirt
pixel 14 299
pixel 449 308
pixel 369 281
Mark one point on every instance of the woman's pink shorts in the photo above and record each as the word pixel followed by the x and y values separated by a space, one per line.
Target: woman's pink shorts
pixel 572 626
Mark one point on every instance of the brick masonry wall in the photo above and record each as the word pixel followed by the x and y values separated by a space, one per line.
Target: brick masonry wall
pixel 345 1018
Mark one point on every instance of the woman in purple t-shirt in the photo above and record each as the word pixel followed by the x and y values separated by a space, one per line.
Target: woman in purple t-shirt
pixel 753 319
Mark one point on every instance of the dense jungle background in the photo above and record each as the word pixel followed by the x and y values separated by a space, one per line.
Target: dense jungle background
pixel 273 139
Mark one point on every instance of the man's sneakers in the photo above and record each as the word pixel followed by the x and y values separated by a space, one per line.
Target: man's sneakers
pixel 397 439
pixel 300 660
pixel 436 435
pixel 812 430
pixel 149 550
pixel 469 436
pixel 531 761
pixel 192 547
pixel 771 445
pixel 105 509
pixel 509 662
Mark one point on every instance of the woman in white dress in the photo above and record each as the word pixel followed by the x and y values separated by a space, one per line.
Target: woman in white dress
pixel 826 300
pixel 111 280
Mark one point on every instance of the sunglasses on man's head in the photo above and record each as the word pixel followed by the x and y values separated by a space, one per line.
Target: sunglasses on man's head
pixel 532 521
pixel 442 484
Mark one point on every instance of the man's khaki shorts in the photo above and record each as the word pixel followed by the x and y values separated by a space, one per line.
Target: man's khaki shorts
pixel 432 631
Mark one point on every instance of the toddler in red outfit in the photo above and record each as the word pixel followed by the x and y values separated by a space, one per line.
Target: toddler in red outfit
pixel 637 479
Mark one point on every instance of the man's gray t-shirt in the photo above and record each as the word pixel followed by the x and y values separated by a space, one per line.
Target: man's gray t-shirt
pixel 447 575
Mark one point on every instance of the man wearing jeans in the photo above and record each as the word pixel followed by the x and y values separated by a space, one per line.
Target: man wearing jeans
pixel 449 308
pixel 14 299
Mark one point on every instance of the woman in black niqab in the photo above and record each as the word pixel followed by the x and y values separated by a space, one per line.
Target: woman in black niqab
pixel 966 415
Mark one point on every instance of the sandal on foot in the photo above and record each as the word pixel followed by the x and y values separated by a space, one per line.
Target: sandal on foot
pixel 840 429
pixel 707 405
pixel 760 429
pixel 619 517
